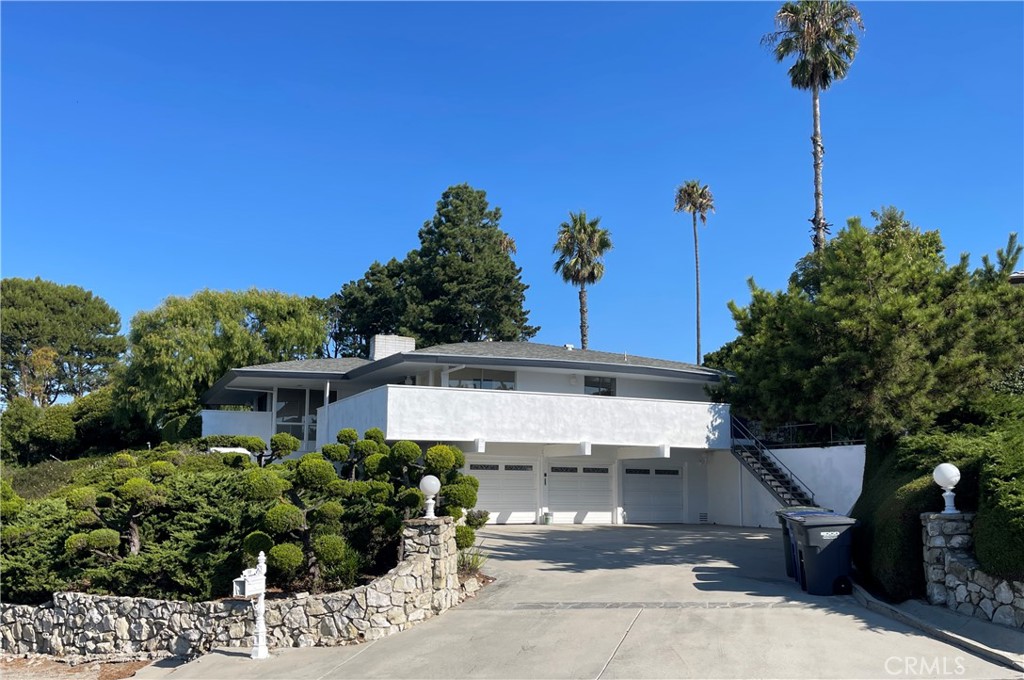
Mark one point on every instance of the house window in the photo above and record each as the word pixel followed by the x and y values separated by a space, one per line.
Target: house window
pixel 482 379
pixel 601 387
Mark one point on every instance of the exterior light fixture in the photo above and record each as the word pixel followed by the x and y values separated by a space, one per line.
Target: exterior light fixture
pixel 947 476
pixel 430 485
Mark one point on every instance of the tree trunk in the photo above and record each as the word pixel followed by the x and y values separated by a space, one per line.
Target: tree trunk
pixel 134 538
pixel 696 262
pixel 818 150
pixel 583 316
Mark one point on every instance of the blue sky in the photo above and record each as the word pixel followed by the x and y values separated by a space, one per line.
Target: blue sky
pixel 157 149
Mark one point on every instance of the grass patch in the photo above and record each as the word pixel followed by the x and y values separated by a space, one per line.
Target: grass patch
pixel 471 561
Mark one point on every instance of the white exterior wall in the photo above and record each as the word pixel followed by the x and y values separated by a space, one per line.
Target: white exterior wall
pixel 248 423
pixel 659 389
pixel 537 381
pixel 835 475
pixel 453 415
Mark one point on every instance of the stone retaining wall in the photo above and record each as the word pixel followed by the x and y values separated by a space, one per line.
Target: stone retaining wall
pixel 954 578
pixel 425 583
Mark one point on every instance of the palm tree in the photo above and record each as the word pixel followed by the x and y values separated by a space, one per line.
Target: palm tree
pixel 693 198
pixel 820 34
pixel 581 247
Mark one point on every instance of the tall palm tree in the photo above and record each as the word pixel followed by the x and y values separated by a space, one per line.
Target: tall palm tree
pixel 820 34
pixel 693 198
pixel 581 247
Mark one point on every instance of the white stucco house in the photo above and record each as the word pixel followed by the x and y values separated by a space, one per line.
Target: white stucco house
pixel 589 437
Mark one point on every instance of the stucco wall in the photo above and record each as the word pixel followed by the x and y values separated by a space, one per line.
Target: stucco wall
pixel 450 414
pixel 249 423
pixel 422 585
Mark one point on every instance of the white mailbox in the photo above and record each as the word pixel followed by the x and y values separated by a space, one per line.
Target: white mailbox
pixel 251 584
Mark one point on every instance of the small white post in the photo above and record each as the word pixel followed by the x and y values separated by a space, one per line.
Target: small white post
pixel 259 646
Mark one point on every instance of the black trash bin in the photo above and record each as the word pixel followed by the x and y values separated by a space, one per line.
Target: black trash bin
pixel 823 544
pixel 789 549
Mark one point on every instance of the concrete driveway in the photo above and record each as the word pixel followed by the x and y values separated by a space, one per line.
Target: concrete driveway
pixel 628 602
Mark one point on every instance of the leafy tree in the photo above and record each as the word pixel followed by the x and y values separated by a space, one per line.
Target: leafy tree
pixel 55 340
pixel 875 332
pixel 462 284
pixel 16 425
pixel 697 200
pixel 375 304
pixel 821 35
pixel 182 347
pixel 581 246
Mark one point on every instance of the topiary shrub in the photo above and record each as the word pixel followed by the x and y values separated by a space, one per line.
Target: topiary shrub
pixel 374 434
pixel 10 502
pixel 330 511
pixel 376 466
pixel 439 459
pixel 283 445
pixel 81 497
pixel 406 452
pixel 340 564
pixel 465 537
pixel 103 540
pixel 283 518
pixel 314 472
pixel 261 484
pixel 335 452
pixel 123 460
pixel 284 561
pixel 347 436
pixel 76 543
pixel 161 469
pixel 235 460
pixel 459 495
pixel 411 500
pixel 256 542
pixel 137 490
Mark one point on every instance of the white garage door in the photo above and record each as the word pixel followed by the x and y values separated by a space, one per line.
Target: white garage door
pixel 652 493
pixel 579 494
pixel 507 490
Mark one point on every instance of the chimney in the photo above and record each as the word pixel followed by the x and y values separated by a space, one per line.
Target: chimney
pixel 385 345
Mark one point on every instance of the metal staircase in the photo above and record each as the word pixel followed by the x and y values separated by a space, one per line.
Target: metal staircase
pixel 779 480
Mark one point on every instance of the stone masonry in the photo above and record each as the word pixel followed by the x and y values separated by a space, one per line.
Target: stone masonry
pixel 423 584
pixel 953 576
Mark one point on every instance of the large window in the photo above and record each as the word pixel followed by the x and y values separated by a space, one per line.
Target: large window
pixel 482 379
pixel 602 387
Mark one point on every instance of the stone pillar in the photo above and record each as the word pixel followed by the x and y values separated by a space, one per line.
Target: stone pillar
pixel 947 544
pixel 436 539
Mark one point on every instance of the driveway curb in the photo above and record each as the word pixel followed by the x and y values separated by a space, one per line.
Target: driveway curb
pixel 874 604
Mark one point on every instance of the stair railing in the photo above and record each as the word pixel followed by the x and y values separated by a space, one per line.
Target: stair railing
pixel 741 431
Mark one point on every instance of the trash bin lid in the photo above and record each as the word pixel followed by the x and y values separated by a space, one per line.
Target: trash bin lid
pixel 823 519
pixel 799 508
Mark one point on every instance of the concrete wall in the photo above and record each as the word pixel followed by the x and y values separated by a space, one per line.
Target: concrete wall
pixel 249 423
pixel 737 498
pixel 425 583
pixel 453 415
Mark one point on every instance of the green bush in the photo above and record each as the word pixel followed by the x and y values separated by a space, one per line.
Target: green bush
pixel 283 518
pixel 137 490
pixel 103 539
pixel 465 537
pixel 314 472
pixel 999 527
pixel 283 444
pixel 76 543
pixel 339 562
pixel 458 495
pixel 10 503
pixel 124 460
pixel 330 511
pixel 86 518
pixel 123 475
pixel 347 436
pixel 256 542
pixel 16 424
pixel 374 434
pixel 262 484
pixel 284 561
pixel 253 445
pixel 335 452
pixel 411 499
pixel 235 460
pixel 439 459
pixel 477 518
pixel 406 452
pixel 161 469
pixel 365 448
pixel 54 431
pixel 376 465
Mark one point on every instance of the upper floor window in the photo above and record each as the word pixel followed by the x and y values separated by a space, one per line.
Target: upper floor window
pixel 602 387
pixel 482 379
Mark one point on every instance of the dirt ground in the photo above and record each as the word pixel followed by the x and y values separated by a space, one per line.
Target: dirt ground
pixel 38 668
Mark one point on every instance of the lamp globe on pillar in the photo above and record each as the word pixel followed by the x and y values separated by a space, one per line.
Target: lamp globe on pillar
pixel 430 485
pixel 947 475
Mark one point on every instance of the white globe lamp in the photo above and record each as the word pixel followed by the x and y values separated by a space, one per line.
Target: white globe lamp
pixel 947 476
pixel 430 485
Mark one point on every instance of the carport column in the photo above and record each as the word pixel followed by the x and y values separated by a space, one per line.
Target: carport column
pixel 435 538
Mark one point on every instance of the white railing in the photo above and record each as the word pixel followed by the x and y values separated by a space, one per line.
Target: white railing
pixel 454 415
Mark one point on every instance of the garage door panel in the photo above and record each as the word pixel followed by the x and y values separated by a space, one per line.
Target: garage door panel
pixel 653 493
pixel 580 494
pixel 508 491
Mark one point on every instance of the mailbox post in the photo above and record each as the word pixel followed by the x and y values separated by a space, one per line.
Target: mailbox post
pixel 252 585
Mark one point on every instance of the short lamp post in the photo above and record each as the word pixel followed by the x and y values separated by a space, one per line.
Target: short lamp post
pixel 252 585
pixel 430 485
pixel 947 476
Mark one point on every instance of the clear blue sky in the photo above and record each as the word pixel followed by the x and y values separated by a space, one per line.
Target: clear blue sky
pixel 157 149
